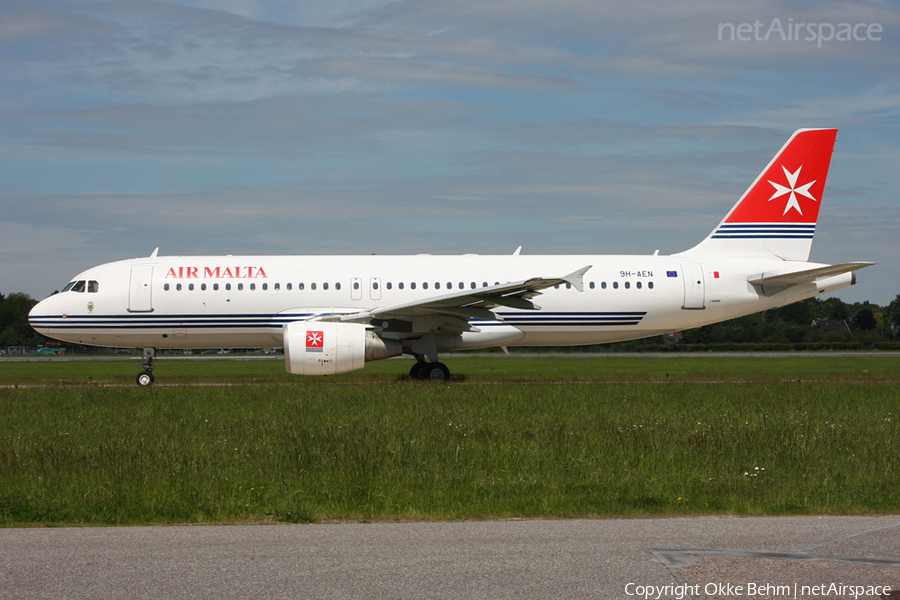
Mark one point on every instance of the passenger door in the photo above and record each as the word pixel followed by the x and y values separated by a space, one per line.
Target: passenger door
pixel 140 289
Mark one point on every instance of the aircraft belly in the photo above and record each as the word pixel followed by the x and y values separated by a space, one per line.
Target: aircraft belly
pixel 174 337
pixel 569 336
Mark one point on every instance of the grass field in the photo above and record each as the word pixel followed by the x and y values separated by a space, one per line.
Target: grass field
pixel 508 437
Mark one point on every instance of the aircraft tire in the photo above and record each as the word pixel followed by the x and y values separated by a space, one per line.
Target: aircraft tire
pixel 145 378
pixel 433 372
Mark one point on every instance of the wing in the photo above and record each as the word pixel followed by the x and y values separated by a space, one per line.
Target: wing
pixel 450 313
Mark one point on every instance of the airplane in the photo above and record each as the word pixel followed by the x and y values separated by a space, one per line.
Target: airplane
pixel 332 314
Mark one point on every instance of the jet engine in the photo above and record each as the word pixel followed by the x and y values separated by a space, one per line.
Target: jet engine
pixel 326 348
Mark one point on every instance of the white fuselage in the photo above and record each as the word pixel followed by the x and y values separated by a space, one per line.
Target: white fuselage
pixel 244 301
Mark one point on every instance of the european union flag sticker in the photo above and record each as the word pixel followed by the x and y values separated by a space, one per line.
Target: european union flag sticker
pixel 671 273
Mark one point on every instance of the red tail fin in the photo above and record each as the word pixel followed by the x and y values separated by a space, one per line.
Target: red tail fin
pixel 777 214
pixel 790 189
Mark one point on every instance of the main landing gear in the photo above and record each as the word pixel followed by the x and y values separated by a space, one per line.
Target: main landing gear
pixel 146 376
pixel 429 371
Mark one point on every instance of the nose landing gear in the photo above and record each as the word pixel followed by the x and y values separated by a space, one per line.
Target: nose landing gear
pixel 145 378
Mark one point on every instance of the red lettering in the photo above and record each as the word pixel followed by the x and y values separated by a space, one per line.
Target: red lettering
pixel 249 272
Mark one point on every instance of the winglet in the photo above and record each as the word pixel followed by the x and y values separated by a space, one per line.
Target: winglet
pixel 576 278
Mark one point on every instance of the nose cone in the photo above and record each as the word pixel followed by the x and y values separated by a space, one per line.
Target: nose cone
pixel 41 315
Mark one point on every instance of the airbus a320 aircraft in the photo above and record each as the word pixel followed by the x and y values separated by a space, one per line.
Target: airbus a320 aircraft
pixel 331 314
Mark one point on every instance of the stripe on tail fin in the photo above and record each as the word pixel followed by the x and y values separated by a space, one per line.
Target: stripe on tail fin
pixel 777 214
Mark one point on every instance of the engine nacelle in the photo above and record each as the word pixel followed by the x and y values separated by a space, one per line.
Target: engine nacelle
pixel 327 348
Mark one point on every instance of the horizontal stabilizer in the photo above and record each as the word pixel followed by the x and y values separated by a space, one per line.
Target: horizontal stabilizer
pixel 807 276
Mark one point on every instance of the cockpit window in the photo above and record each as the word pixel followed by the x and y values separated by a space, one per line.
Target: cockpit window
pixel 93 287
pixel 79 286
pixel 68 287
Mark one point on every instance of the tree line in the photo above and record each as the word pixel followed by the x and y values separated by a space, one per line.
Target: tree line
pixel 813 323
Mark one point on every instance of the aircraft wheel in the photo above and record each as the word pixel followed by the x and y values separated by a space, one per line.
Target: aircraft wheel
pixel 145 378
pixel 414 371
pixel 434 372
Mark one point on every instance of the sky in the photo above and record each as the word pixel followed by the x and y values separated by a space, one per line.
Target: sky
pixel 434 126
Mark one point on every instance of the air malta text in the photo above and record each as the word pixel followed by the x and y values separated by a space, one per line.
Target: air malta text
pixel 216 273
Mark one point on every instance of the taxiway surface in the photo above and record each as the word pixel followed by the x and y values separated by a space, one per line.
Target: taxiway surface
pixel 520 560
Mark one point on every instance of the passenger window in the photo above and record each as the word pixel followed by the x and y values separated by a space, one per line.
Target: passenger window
pixel 265 286
pixel 627 285
pixel 400 285
pixel 300 286
pixel 202 287
pixel 355 285
pixel 472 285
pixel 615 285
pixel 461 285
pixel 437 285
pixel 650 284
pixel 568 286
pixel 178 287
pixel 191 287
pixel 337 286
pixel 240 287
pixel 312 286
pixel 227 287
pixel 603 285
pixel 638 285
pixel 93 287
pixel 289 287
pixel 166 287
pixel 425 286
pixel 592 285
pixel 412 285
pixel 325 286
pixel 449 286
pixel 215 287
pixel 252 286
pixel 79 287
pixel 484 284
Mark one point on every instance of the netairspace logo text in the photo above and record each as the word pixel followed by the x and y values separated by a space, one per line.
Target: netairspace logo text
pixel 797 32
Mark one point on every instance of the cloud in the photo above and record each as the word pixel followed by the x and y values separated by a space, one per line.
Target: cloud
pixel 413 126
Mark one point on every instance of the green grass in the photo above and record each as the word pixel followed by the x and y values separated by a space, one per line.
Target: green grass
pixel 484 368
pixel 509 437
pixel 624 441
